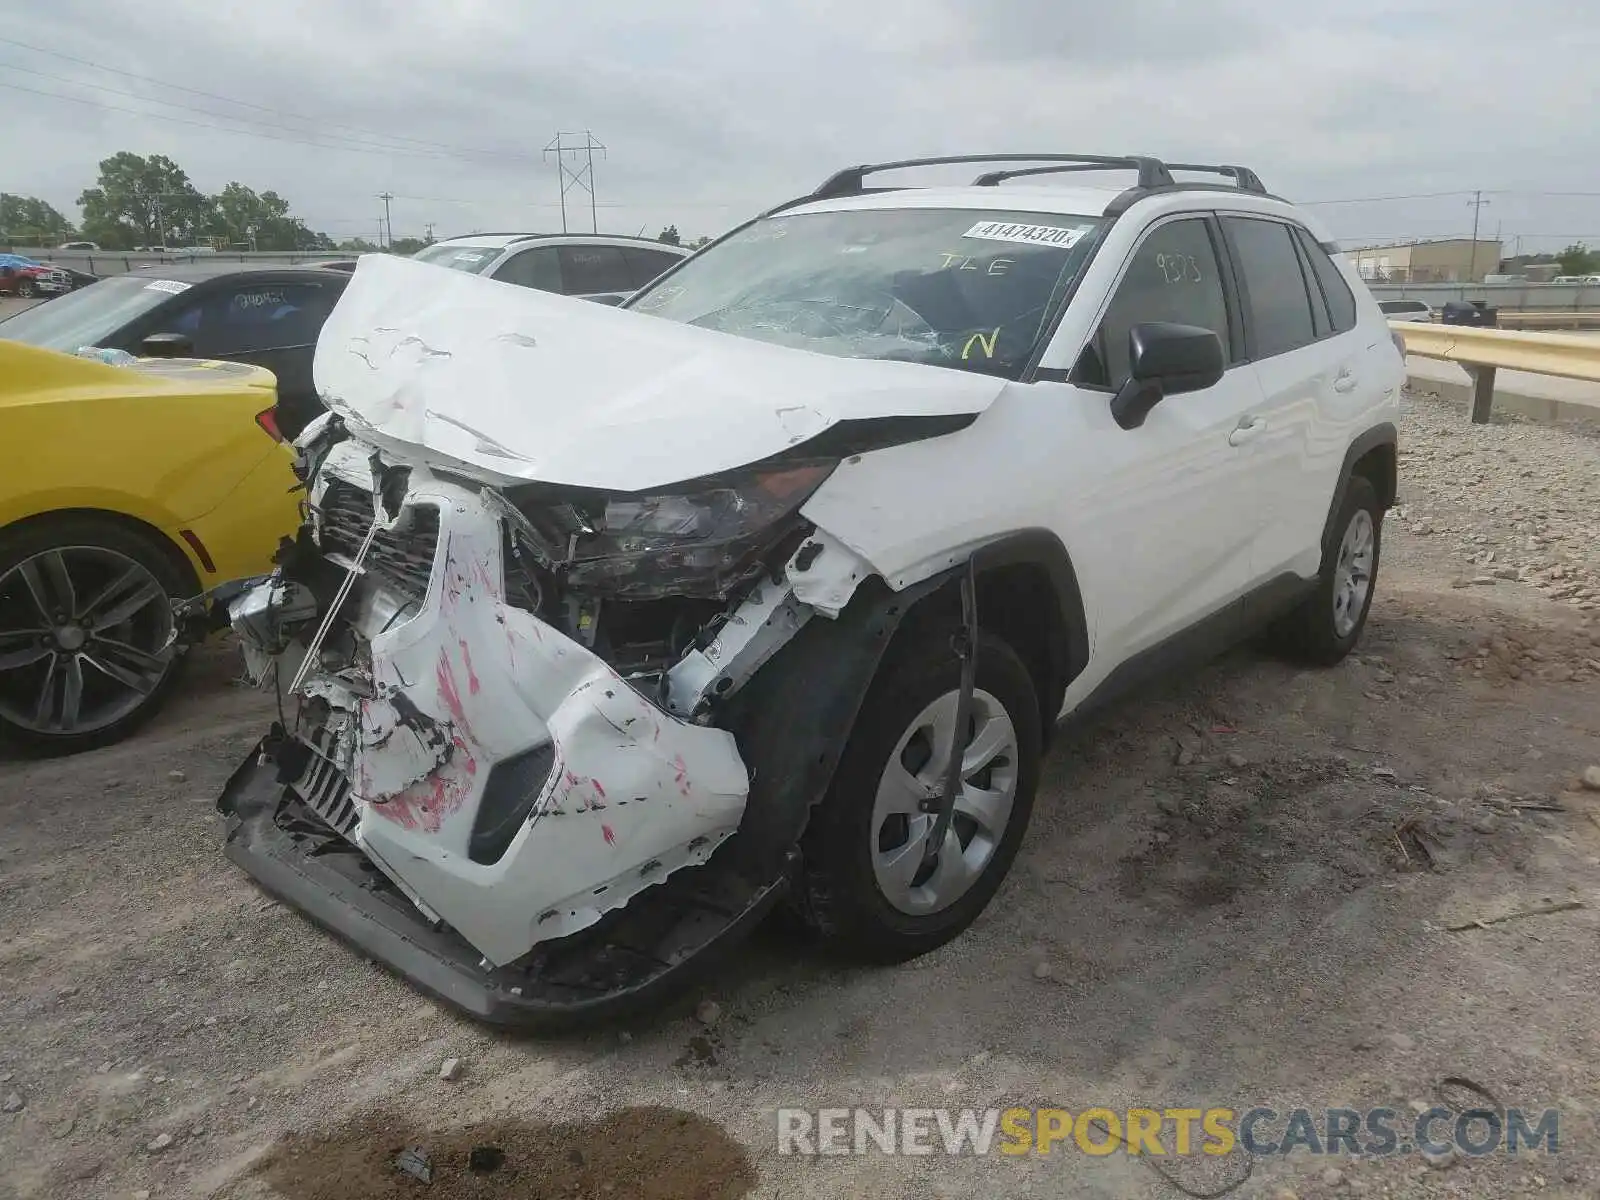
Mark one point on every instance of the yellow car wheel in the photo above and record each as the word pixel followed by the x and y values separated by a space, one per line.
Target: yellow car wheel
pixel 85 617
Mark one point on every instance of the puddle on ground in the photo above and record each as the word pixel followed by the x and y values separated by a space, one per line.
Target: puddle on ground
pixel 632 1154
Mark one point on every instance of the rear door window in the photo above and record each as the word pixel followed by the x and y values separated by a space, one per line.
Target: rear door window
pixel 590 270
pixel 1336 292
pixel 1276 300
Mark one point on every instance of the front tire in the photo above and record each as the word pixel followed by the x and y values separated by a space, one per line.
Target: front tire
pixel 865 887
pixel 26 290
pixel 85 612
pixel 1328 623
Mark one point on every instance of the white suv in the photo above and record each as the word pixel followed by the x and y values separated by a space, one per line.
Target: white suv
pixel 610 629
pixel 603 267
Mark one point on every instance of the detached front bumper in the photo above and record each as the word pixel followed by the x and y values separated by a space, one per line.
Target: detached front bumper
pixel 502 777
pixel 615 968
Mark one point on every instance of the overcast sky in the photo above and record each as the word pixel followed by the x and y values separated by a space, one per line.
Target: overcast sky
pixel 710 109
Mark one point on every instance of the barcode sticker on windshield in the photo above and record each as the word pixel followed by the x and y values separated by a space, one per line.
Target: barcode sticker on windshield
pixel 166 285
pixel 1033 235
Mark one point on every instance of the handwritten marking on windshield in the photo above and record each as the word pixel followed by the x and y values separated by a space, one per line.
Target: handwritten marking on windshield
pixel 987 344
pixel 998 266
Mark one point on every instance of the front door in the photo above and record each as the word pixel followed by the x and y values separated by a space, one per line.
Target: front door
pixel 1170 525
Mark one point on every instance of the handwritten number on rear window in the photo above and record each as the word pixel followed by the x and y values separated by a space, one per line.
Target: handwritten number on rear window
pixel 1179 268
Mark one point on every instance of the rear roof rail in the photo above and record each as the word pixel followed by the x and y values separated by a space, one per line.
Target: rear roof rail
pixel 1154 176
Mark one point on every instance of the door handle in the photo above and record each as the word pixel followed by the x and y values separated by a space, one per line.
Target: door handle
pixel 1344 381
pixel 1247 428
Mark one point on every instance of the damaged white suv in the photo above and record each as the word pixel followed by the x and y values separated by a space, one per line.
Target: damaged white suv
pixel 609 629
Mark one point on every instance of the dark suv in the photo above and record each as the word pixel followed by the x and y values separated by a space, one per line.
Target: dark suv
pixel 264 314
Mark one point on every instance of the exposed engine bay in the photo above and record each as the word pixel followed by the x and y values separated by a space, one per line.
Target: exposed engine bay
pixel 516 690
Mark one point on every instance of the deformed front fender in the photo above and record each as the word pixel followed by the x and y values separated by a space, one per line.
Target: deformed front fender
pixel 793 718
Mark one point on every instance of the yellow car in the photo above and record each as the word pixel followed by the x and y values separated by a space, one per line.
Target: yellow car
pixel 122 489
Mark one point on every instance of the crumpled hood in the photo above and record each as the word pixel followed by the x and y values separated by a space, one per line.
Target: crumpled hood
pixel 527 385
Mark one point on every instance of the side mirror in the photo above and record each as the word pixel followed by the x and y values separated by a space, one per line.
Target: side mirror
pixel 1165 359
pixel 167 345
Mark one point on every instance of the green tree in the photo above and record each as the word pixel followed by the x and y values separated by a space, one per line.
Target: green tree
pixel 406 246
pixel 698 242
pixel 143 202
pixel 1578 259
pixel 28 221
pixel 358 246
pixel 242 218
pixel 670 236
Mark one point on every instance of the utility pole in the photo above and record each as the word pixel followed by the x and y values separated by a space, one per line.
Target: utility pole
pixel 428 231
pixel 1477 202
pixel 570 176
pixel 387 239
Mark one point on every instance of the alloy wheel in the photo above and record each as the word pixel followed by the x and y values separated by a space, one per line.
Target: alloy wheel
pixel 83 639
pixel 1352 580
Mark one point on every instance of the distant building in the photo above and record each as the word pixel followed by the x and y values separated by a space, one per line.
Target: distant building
pixel 1447 260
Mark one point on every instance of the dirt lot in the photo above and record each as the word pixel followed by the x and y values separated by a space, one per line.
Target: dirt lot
pixel 1226 898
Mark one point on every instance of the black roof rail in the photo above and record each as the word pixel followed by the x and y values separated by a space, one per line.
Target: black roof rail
pixel 1155 176
pixel 1246 179
pixel 852 180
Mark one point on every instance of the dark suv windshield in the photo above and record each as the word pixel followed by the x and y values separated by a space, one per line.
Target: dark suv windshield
pixel 84 317
pixel 963 288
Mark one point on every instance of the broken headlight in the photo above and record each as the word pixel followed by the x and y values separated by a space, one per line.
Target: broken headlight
pixel 698 540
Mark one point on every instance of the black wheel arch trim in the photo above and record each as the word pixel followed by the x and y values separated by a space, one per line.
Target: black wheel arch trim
pixel 794 716
pixel 1383 434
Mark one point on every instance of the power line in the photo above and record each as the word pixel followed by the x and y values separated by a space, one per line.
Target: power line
pixel 336 141
pixel 178 87
pixel 150 116
pixel 1479 192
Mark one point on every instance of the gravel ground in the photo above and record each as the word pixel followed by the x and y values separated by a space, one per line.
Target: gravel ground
pixel 1236 892
pixel 10 306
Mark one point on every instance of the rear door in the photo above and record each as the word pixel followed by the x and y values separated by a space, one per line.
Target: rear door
pixel 1308 360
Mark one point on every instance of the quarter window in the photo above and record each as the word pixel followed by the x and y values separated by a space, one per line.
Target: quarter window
pixel 644 265
pixel 1341 301
pixel 1277 304
pixel 1174 276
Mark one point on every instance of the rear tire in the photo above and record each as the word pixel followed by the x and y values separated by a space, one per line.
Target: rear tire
pixel 856 889
pixel 1328 623
pixel 85 607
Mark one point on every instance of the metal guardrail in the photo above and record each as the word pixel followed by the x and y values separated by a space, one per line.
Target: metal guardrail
pixel 1507 297
pixel 1552 320
pixel 1482 352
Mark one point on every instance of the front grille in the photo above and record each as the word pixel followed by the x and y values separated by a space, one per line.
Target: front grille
pixel 323 786
pixel 401 558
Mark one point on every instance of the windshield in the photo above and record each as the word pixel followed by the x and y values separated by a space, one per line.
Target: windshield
pixel 472 259
pixel 16 260
pixel 84 317
pixel 964 288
